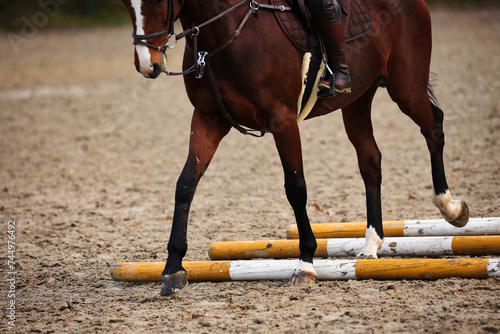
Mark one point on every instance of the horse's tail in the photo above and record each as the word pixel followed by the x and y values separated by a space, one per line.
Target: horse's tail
pixel 432 96
pixel 436 108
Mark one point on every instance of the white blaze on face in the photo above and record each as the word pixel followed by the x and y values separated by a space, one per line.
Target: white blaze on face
pixel 142 51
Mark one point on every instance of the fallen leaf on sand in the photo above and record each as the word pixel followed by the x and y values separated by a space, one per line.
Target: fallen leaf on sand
pixel 328 212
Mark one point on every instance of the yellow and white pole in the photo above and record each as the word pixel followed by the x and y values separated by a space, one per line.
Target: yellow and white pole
pixel 403 228
pixel 384 269
pixel 151 271
pixel 344 247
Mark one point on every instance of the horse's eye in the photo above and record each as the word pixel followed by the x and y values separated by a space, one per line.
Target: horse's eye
pixel 158 2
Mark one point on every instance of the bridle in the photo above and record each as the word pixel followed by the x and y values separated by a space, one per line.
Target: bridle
pixel 168 31
pixel 141 39
pixel 201 58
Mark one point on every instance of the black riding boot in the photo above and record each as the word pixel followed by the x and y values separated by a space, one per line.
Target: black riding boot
pixel 340 81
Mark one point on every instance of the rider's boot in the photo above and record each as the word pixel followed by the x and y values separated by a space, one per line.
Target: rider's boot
pixel 340 81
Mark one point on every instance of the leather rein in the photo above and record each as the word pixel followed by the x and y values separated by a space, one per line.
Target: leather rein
pixel 201 58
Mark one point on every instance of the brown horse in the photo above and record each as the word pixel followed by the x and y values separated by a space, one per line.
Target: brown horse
pixel 257 82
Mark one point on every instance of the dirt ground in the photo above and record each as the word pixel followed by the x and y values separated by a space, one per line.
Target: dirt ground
pixel 90 153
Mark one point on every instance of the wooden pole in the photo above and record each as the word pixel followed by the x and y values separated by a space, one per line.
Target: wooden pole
pixel 344 247
pixel 404 228
pixel 385 269
pixel 151 271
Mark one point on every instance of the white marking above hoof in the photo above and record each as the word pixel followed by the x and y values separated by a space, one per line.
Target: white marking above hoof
pixel 372 244
pixel 453 211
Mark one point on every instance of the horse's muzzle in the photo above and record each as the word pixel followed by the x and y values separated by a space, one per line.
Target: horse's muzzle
pixel 152 73
pixel 156 71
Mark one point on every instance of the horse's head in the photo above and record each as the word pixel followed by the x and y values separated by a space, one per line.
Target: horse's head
pixel 153 22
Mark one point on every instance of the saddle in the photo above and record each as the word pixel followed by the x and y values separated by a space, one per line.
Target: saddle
pixel 356 22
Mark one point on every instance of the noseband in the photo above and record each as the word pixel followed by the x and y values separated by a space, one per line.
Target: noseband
pixel 141 40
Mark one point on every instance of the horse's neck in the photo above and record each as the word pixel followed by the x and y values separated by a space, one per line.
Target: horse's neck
pixel 196 12
pixel 207 8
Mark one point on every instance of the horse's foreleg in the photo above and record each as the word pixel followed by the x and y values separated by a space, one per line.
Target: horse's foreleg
pixel 358 125
pixel 287 140
pixel 206 133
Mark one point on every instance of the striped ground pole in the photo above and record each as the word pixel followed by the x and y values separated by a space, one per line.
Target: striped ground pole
pixel 345 247
pixel 382 269
pixel 403 228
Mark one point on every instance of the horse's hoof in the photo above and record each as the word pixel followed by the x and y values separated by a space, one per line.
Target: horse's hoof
pixel 303 278
pixel 363 256
pixel 463 217
pixel 173 283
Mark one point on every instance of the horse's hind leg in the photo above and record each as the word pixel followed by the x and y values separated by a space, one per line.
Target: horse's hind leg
pixel 206 133
pixel 455 212
pixel 429 117
pixel 358 125
pixel 287 139
pixel 407 81
pixel 407 84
